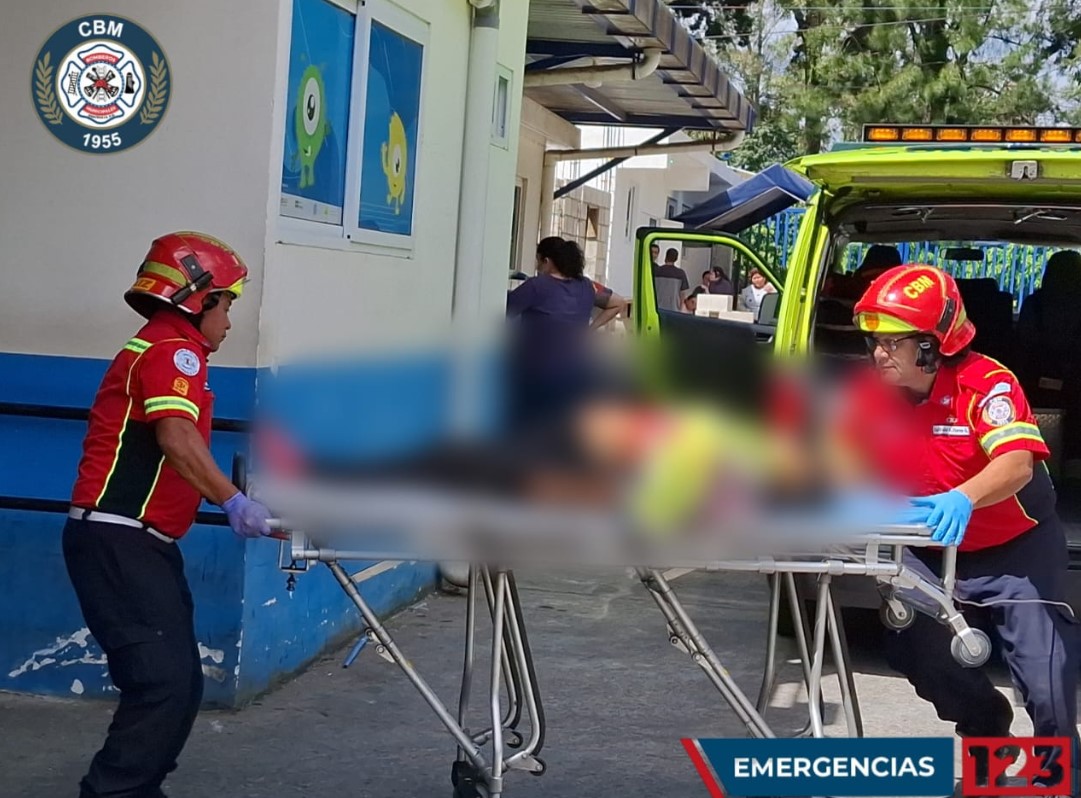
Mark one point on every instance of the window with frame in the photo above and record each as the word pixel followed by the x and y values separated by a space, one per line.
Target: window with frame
pixel 317 112
pixel 501 108
pixel 355 88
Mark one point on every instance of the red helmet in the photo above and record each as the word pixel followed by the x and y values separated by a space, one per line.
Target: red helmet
pixel 916 298
pixel 183 269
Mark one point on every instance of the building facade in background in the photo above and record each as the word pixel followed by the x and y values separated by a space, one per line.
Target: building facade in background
pixel 378 164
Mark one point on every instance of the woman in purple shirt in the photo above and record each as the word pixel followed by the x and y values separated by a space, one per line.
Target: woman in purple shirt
pixel 549 364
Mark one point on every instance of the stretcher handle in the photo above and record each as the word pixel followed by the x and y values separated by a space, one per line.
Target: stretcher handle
pixel 239 479
pixel 277 529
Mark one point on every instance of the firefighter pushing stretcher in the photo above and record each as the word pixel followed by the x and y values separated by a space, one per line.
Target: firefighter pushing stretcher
pixel 146 466
pixel 953 429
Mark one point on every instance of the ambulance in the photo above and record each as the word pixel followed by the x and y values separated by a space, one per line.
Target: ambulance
pixel 989 204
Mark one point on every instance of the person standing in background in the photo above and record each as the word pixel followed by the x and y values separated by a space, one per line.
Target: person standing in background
pixel 549 363
pixel 721 284
pixel 750 298
pixel 670 283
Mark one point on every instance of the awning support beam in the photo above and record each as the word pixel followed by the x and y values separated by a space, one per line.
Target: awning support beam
pixel 715 143
pixel 640 68
pixel 554 61
pixel 609 106
pixel 612 164
pixel 552 157
pixel 577 49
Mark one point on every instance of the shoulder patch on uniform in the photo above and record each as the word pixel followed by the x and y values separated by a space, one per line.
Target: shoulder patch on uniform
pixel 181 386
pixel 187 362
pixel 999 389
pixel 999 411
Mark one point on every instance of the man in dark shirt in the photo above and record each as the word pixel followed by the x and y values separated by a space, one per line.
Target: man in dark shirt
pixel 670 283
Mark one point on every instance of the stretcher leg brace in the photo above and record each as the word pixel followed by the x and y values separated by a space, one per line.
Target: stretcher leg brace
pixel 478 772
pixel 473 774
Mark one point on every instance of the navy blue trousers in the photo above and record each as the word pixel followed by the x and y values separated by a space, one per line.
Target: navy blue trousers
pixel 136 603
pixel 1039 642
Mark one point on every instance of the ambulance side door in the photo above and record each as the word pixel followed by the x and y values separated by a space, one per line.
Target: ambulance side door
pixel 718 351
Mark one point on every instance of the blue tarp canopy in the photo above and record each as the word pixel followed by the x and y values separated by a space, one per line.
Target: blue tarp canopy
pixel 752 201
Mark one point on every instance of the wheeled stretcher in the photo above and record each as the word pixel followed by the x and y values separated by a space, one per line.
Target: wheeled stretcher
pixel 513 734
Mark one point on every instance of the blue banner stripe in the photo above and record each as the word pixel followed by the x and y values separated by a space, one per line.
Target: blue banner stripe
pixel 891 766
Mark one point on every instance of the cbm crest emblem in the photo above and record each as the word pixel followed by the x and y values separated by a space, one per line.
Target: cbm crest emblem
pixel 101 84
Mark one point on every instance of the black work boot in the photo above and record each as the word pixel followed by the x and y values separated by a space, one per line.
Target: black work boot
pixel 994 721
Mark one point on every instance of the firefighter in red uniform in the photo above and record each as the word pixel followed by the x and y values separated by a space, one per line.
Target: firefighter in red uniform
pixel 146 465
pixel 953 429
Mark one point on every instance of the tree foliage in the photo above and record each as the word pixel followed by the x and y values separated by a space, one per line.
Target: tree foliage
pixel 820 70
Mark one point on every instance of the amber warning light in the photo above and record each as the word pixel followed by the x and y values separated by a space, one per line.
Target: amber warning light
pixel 953 134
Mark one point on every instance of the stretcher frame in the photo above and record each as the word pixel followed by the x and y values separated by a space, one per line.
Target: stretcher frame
pixel 477 773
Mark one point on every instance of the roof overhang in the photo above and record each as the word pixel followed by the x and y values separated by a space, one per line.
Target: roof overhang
pixel 687 89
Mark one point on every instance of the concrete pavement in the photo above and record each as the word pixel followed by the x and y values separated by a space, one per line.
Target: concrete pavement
pixel 618 700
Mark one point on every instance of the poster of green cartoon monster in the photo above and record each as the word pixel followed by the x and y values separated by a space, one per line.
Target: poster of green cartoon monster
pixel 317 111
pixel 391 130
pixel 311 122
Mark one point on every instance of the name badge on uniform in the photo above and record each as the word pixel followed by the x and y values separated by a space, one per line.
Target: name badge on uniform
pixel 951 430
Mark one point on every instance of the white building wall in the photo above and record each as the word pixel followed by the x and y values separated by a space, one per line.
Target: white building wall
pixel 641 197
pixel 75 226
pixel 539 130
pixel 514 18
pixel 640 188
pixel 338 296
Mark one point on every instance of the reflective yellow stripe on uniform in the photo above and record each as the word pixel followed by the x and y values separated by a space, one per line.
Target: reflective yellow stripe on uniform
pixel 137 345
pixel 1017 431
pixel 153 487
pixel 124 426
pixel 156 404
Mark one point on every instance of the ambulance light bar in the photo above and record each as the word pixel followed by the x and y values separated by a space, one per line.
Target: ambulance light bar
pixel 956 134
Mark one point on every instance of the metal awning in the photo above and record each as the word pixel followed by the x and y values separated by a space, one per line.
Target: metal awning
pixel 688 89
pixel 767 193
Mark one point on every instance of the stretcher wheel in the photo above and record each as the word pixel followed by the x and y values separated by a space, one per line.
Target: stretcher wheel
pixel 542 769
pixel 514 740
pixel 896 618
pixel 466 780
pixel 964 657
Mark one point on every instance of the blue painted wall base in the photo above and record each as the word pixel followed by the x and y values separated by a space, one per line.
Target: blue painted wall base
pixel 252 632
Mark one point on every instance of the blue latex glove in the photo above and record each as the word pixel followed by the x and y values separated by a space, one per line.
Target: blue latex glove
pixel 249 519
pixel 948 515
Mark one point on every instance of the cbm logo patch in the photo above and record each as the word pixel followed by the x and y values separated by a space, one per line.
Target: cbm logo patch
pixel 101 84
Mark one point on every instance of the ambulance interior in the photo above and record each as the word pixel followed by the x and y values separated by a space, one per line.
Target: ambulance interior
pixel 1039 338
pixel 725 355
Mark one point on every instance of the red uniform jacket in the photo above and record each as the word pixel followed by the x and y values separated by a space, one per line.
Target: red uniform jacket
pixel 976 411
pixel 160 373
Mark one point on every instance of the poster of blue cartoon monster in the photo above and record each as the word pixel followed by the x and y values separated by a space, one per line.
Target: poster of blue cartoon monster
pixel 391 126
pixel 320 78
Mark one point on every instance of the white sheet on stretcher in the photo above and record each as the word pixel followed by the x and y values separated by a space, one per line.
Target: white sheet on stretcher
pixel 426 524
